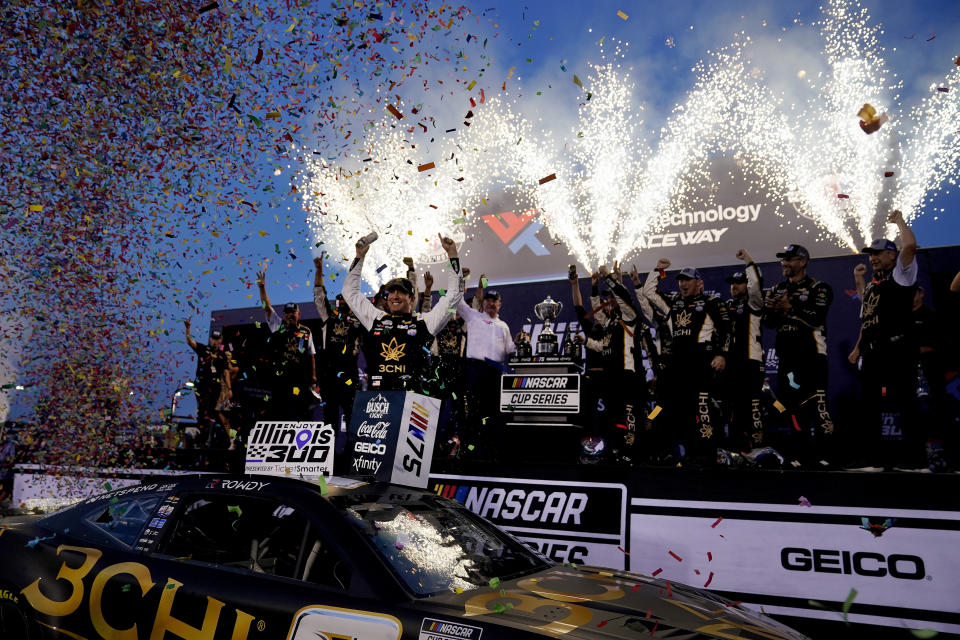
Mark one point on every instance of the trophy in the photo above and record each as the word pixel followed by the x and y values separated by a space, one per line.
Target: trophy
pixel 547 311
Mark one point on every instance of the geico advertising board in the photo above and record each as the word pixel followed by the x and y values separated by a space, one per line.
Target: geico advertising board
pixel 580 522
pixel 784 556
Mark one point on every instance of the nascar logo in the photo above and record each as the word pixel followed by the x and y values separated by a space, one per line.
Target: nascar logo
pixel 433 629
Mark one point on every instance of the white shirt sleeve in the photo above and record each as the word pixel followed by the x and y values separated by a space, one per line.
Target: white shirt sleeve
pixel 906 276
pixel 273 320
pixel 320 300
pixel 366 313
pixel 437 317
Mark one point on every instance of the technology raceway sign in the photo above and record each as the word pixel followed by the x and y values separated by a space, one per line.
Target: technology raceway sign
pixel 804 561
pixel 568 521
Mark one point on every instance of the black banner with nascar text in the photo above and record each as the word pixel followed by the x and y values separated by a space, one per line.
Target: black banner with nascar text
pixel 568 521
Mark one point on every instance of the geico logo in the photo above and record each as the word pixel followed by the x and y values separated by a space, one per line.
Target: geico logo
pixel 69 583
pixel 370 447
pixel 558 507
pixel 392 368
pixel 861 563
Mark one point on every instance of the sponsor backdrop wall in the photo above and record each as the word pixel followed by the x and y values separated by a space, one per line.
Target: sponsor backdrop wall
pixel 793 543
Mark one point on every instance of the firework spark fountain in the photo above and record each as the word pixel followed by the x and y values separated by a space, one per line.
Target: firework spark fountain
pixel 613 188
pixel 817 156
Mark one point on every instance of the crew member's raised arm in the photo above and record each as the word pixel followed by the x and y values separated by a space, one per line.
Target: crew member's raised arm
pixel 366 313
pixel 438 316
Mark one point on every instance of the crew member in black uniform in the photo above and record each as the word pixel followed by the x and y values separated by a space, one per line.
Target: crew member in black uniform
pixel 605 361
pixel 886 346
pixel 396 342
pixel 744 372
pixel 339 347
pixel 212 365
pixel 693 353
pixel 797 308
pixel 291 356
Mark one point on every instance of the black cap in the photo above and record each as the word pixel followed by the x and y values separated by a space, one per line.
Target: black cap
pixel 399 284
pixel 491 293
pixel 878 245
pixel 738 278
pixel 794 251
pixel 216 333
pixel 291 307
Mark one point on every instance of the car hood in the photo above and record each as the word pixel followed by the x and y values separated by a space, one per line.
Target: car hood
pixel 590 602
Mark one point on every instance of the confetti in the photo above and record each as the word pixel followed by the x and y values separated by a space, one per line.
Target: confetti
pixel 675 556
pixel 622 15
pixel 426 167
pixel 718 521
pixel 848 603
pixel 550 177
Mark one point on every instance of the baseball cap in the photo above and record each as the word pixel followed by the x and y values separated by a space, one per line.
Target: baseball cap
pixel 690 272
pixel 878 245
pixel 794 251
pixel 216 333
pixel 291 307
pixel 491 293
pixel 738 278
pixel 399 284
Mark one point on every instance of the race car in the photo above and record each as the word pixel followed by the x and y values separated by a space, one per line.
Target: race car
pixel 263 557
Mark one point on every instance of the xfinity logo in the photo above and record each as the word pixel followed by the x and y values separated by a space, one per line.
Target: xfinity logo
pixel 861 563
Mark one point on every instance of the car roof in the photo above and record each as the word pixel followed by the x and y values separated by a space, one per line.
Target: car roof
pixel 288 486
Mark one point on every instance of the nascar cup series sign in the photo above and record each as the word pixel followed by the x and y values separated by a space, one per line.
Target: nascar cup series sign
pixel 290 448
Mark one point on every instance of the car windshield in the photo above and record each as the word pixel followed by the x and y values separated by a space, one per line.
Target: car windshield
pixel 436 545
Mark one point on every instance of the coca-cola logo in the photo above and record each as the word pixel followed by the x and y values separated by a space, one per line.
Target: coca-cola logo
pixel 375 431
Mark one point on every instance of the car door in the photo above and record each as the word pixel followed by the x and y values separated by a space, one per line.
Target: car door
pixel 236 566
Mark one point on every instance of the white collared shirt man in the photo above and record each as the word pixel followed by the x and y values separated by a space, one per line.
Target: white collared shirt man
pixel 488 337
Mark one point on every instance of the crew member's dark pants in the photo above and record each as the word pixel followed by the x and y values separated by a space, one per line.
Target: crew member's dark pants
pixel 743 386
pixel 802 388
pixel 337 397
pixel 483 422
pixel 688 417
pixel 889 381
pixel 291 399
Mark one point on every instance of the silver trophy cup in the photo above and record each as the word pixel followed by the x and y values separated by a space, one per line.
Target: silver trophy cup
pixel 547 311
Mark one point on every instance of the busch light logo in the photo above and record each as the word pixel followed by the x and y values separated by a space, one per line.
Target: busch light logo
pixel 378 407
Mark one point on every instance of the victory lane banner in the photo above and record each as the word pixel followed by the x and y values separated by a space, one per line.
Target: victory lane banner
pixel 392 434
pixel 290 448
